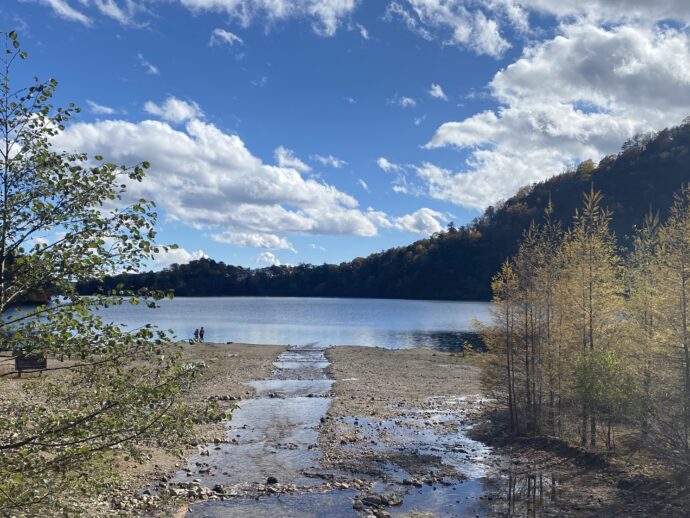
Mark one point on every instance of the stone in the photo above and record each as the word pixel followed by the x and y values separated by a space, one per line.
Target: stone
pixel 271 480
pixel 374 500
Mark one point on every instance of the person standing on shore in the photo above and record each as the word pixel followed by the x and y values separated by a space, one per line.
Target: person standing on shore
pixel 201 334
pixel 196 335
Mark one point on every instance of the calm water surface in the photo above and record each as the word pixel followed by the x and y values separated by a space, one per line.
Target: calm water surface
pixel 391 324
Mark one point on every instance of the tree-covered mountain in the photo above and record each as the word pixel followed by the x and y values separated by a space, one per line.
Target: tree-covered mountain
pixel 456 264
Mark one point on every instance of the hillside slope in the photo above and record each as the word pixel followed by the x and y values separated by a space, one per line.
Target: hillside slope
pixel 459 263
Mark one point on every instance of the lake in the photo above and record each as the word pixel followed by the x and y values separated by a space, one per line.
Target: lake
pixel 393 324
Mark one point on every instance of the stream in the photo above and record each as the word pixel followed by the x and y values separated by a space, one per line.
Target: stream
pixel 270 465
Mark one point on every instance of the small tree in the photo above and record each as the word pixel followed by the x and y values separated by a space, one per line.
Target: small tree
pixel 64 220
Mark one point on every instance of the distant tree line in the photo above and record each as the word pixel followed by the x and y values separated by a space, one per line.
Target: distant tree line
pixel 458 263
pixel 588 339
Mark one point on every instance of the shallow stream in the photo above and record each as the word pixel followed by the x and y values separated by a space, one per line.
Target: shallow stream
pixel 425 462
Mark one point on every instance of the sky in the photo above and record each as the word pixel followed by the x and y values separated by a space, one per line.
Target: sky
pixel 312 131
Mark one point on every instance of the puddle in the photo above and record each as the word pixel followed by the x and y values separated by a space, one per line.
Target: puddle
pixel 447 441
pixel 528 494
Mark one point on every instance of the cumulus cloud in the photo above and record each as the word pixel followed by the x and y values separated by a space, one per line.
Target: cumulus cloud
pixel 329 161
pixel 223 37
pixel 573 97
pixel 437 92
pixel 174 110
pixel 254 240
pixel 286 158
pixel 208 179
pixel 424 221
pixel 267 259
pixel 326 15
pixel 612 11
pixel 177 256
pixel 458 22
pixel 99 109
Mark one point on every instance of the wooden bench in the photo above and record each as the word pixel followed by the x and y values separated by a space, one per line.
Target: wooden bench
pixel 30 362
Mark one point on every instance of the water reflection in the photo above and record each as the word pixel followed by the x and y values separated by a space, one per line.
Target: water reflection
pixel 393 324
pixel 527 494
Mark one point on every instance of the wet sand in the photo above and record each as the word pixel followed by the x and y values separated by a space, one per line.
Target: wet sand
pixel 387 385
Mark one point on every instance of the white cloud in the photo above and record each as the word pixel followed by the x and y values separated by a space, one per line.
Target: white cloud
pixel 325 15
pixel 260 82
pixel 254 240
pixel 174 110
pixel 437 92
pixel 221 36
pixel 387 165
pixel 576 96
pixel 122 12
pixel 612 11
pixel 363 184
pixel 457 22
pixel 177 256
pixel 423 221
pixel 208 179
pixel 329 161
pixel 99 109
pixel 64 10
pixel 351 100
pixel 286 158
pixel 150 68
pixel 363 32
pixel 406 102
pixel 267 259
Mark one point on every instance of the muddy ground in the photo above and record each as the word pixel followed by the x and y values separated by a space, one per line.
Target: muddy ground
pixel 382 385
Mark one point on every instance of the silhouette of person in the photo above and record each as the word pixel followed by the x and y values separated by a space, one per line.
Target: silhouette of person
pixel 196 335
pixel 201 334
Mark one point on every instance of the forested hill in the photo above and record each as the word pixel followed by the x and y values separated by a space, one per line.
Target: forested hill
pixel 458 263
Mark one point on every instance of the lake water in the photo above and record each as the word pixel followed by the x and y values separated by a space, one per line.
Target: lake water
pixel 393 324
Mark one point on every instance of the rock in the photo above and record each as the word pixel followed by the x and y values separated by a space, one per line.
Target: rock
pixel 271 480
pixel 374 500
pixel 357 505
pixel 393 499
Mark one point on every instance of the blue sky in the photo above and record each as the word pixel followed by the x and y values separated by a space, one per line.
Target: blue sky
pixel 323 130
